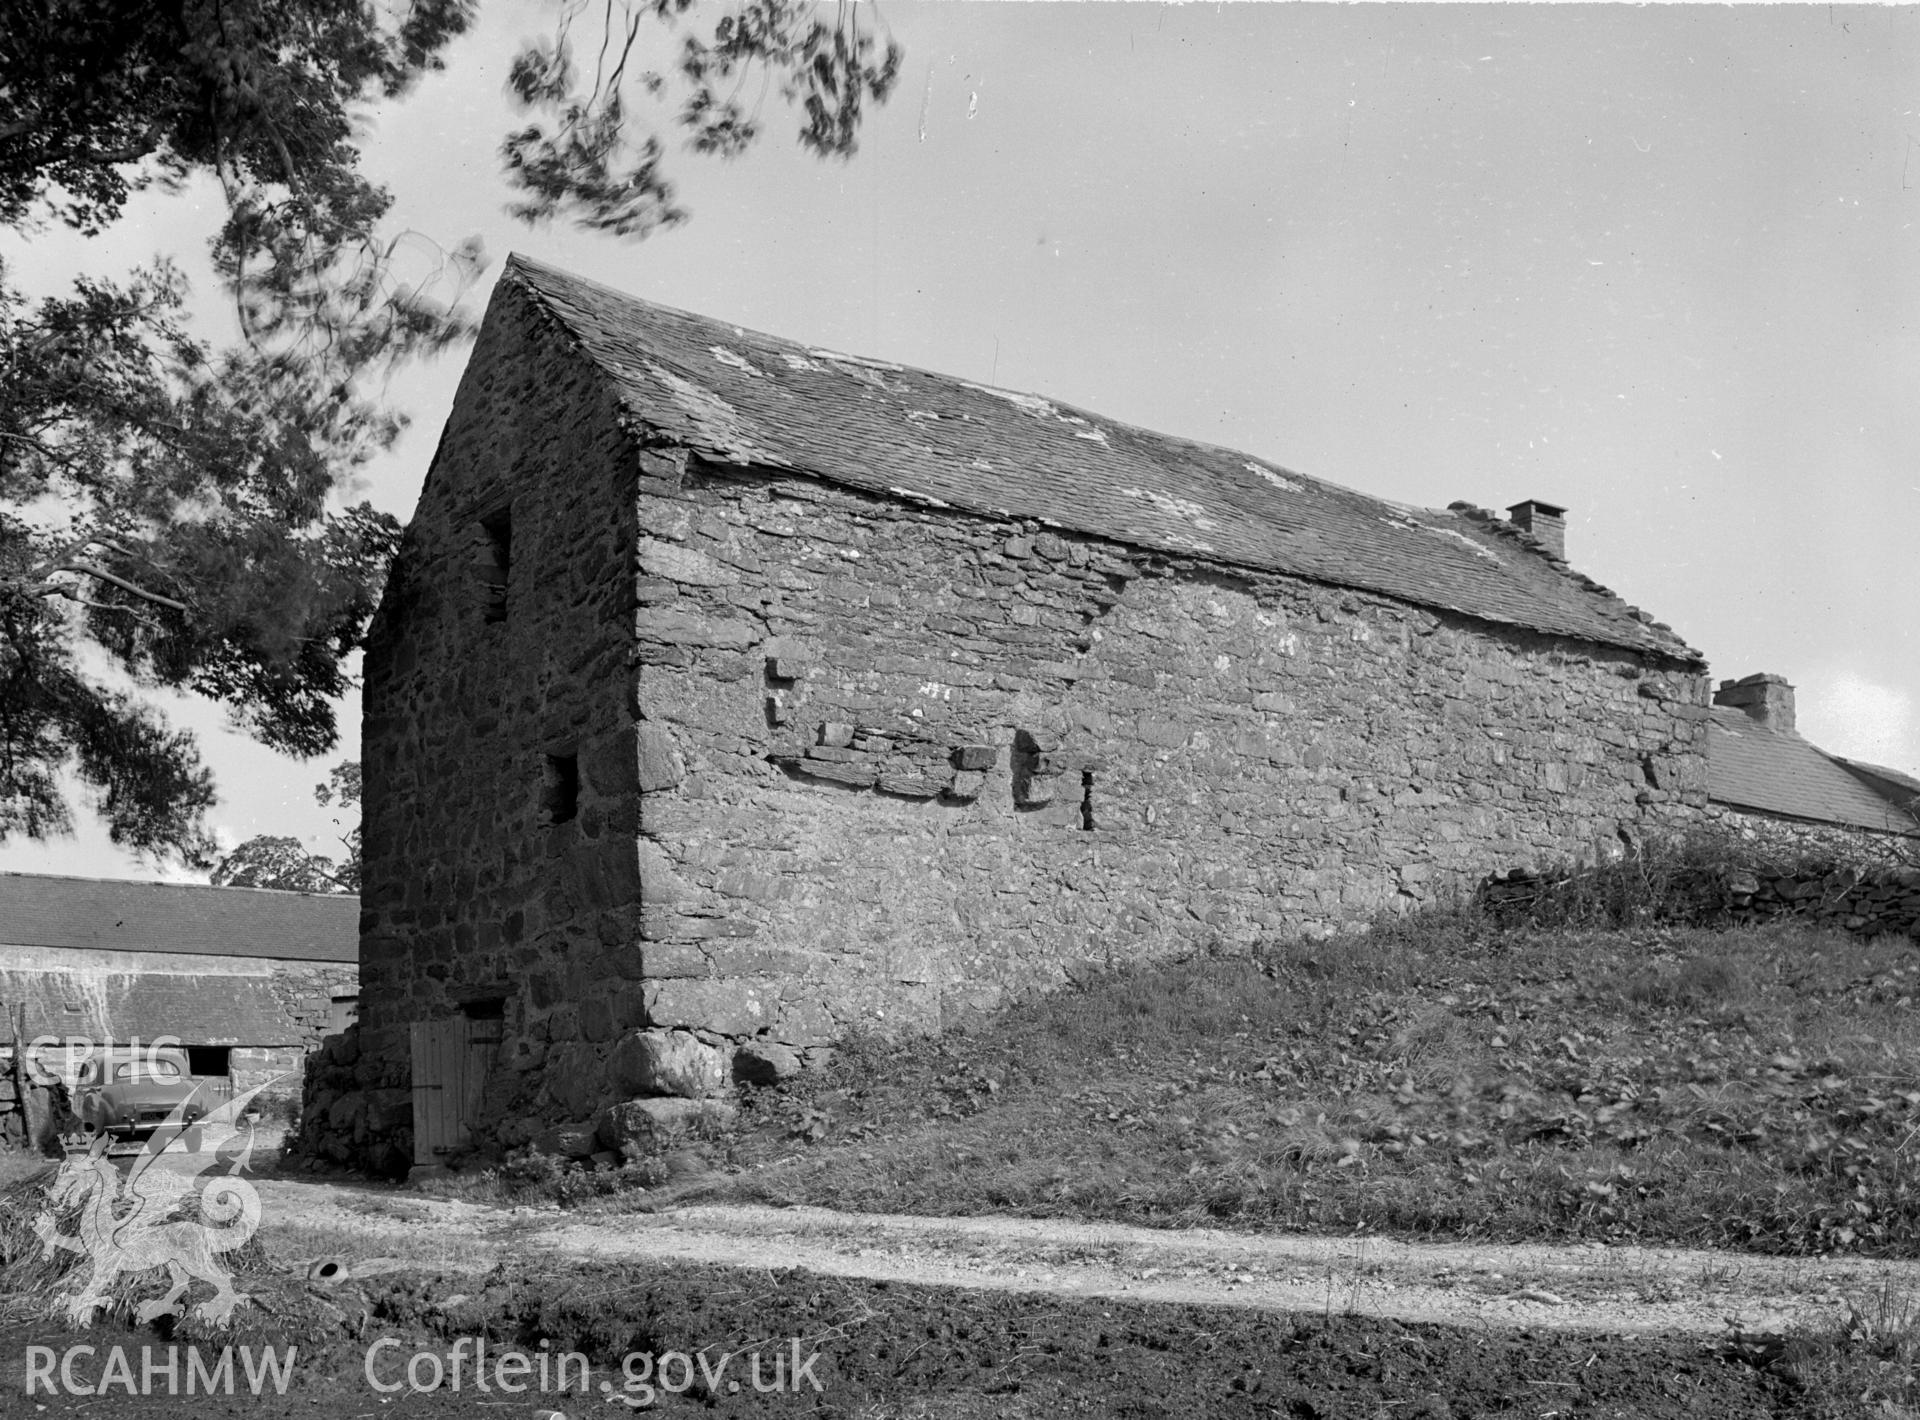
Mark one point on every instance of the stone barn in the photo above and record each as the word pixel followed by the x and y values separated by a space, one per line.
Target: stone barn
pixel 1764 777
pixel 246 980
pixel 758 693
pixel 1846 833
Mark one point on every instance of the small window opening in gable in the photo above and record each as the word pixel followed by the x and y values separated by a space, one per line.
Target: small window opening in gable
pixel 1086 800
pixel 208 1060
pixel 486 1008
pixel 560 793
pixel 496 562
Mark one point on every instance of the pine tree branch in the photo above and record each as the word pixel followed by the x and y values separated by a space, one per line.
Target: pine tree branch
pixel 70 595
pixel 91 569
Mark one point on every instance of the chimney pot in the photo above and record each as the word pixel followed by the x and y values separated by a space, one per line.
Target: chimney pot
pixel 1546 523
pixel 1766 699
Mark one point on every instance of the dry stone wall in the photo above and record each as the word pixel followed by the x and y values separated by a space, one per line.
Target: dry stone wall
pixel 1871 897
pixel 1870 902
pixel 1859 880
pixel 358 1102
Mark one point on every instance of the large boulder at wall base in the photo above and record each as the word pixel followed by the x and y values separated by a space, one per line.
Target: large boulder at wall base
pixel 646 1128
pixel 764 1062
pixel 576 1079
pixel 666 1062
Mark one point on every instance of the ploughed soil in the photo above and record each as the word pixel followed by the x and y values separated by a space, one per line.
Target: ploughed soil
pixel 920 1317
pixel 887 1349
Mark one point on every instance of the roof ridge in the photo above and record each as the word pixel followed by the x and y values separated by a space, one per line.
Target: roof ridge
pixel 1506 528
pixel 1000 391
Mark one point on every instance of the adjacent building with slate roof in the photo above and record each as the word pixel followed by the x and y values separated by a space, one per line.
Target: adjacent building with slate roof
pixel 246 980
pixel 730 693
pixel 1759 768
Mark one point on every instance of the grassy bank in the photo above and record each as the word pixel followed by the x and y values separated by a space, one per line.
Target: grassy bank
pixel 1755 1089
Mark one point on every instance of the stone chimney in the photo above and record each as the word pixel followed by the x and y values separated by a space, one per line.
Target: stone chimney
pixel 1546 523
pixel 1767 699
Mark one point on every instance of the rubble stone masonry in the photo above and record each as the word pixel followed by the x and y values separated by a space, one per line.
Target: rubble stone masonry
pixel 745 753
pixel 902 765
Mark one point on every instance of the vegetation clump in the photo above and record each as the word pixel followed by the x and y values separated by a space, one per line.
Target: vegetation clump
pixel 1446 1075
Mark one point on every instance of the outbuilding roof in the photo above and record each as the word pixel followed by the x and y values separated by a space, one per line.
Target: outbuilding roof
pixel 1750 766
pixel 38 910
pixel 1903 788
pixel 198 1008
pixel 735 395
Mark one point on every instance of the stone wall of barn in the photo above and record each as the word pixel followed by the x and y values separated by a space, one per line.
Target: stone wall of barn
pixel 899 764
pixel 1790 837
pixel 499 816
pixel 657 744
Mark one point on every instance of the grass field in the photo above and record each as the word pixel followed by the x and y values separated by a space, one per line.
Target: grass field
pixel 1753 1089
pixel 1442 1076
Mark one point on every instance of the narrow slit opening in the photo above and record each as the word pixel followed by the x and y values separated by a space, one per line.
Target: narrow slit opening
pixel 560 794
pixel 496 562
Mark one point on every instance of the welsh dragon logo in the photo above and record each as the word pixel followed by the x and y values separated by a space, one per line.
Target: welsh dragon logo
pixel 126 1226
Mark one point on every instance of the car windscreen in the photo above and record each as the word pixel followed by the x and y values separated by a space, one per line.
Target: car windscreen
pixel 146 1070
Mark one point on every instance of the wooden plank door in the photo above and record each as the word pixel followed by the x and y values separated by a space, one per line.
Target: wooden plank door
pixel 451 1058
pixel 480 1049
pixel 436 1108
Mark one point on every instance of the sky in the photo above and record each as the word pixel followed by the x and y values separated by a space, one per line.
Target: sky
pixel 1658 265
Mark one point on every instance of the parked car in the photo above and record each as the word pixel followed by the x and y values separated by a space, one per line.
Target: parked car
pixel 126 1093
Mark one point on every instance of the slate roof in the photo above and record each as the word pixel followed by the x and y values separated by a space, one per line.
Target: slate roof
pixel 735 395
pixel 1752 767
pixel 42 911
pixel 1903 788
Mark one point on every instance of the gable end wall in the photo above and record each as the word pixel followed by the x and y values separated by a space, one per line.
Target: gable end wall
pixel 471 891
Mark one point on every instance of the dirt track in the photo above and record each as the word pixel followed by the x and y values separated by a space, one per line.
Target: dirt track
pixel 1626 1291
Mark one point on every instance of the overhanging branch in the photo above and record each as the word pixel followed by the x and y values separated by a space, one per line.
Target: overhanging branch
pixel 89 569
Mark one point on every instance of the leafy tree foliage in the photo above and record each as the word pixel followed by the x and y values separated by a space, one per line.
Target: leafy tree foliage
pixel 275 862
pixel 270 861
pixel 163 520
pixel 170 513
pixel 581 157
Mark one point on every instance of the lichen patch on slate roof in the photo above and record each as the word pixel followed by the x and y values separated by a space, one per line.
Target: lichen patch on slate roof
pixel 734 395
